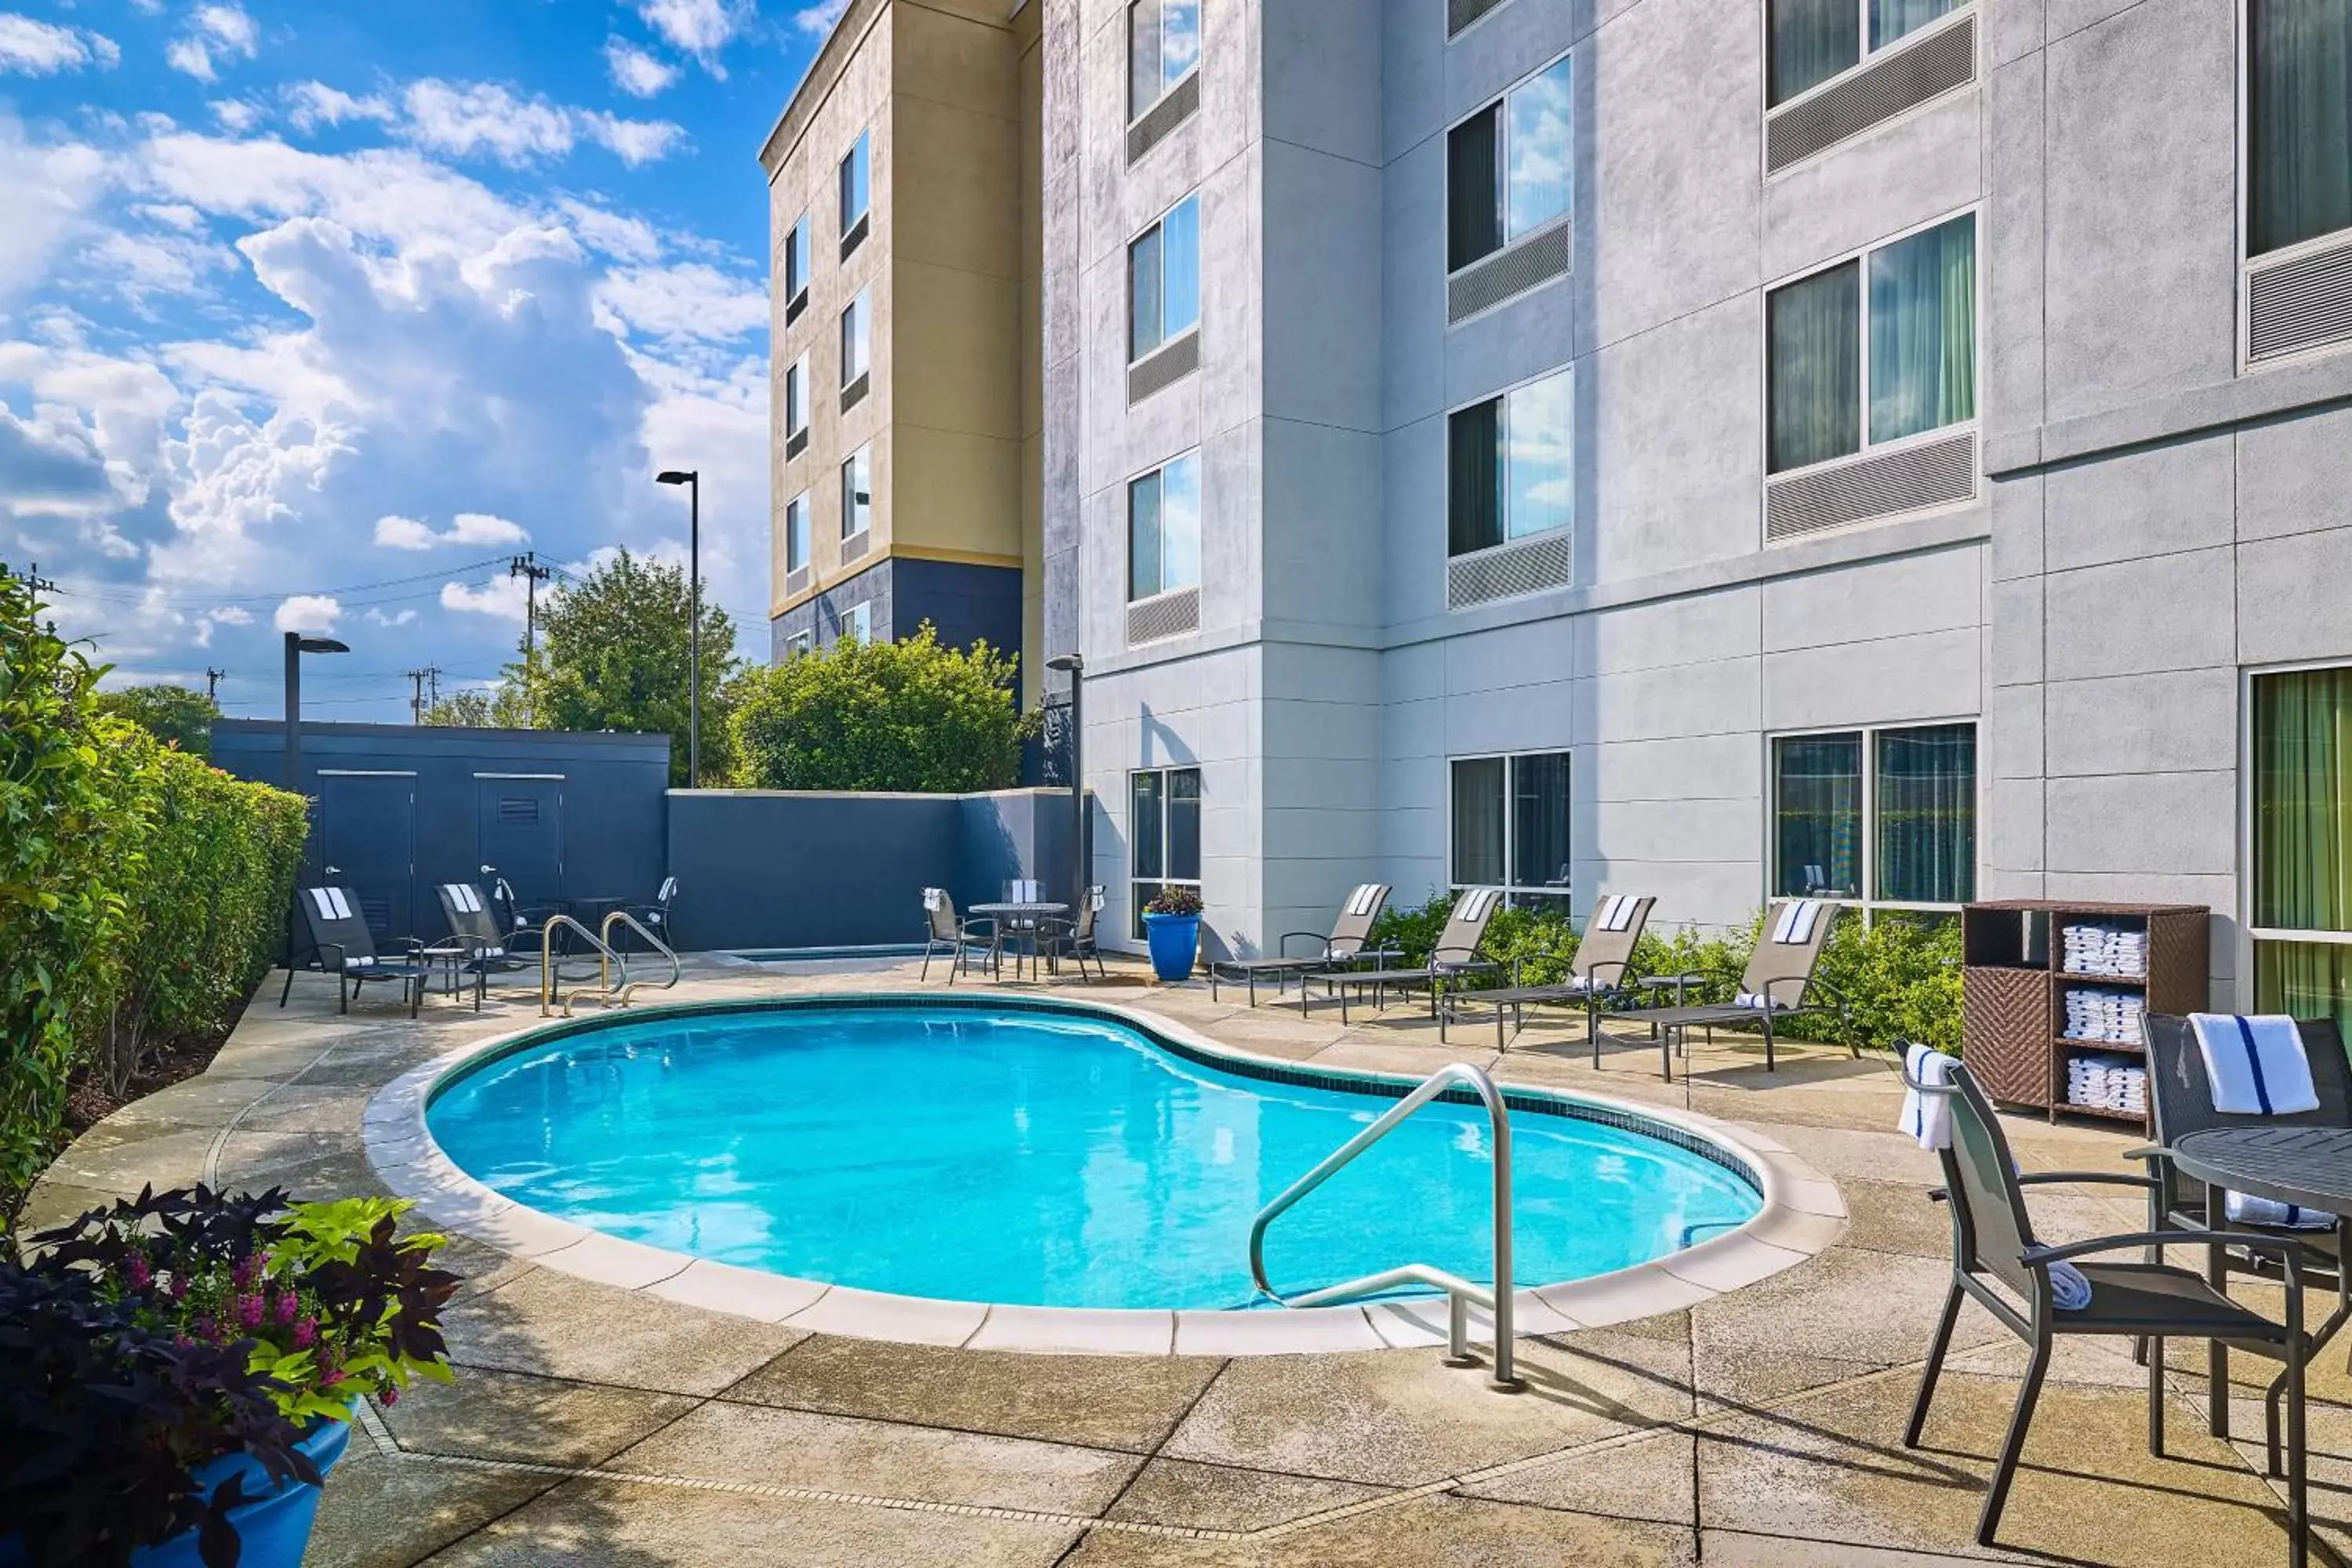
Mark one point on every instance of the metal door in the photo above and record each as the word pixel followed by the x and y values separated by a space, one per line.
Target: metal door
pixel 521 832
pixel 367 833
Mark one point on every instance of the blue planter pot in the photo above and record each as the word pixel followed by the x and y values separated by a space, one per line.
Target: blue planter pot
pixel 274 1530
pixel 1174 939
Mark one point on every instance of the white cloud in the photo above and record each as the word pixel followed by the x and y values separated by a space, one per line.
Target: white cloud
pixel 308 613
pixel 635 143
pixel 505 599
pixel 819 18
pixel 235 114
pixel 474 528
pixel 314 103
pixel 377 617
pixel 699 28
pixel 28 47
pixel 471 119
pixel 215 32
pixel 634 70
pixel 689 300
pixel 50 188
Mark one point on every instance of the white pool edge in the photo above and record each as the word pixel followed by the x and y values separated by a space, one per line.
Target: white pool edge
pixel 1801 1214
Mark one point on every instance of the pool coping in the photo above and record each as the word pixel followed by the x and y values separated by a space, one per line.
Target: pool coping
pixel 1801 1215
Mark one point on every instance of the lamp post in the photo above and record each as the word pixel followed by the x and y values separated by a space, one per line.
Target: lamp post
pixel 692 479
pixel 1075 666
pixel 296 644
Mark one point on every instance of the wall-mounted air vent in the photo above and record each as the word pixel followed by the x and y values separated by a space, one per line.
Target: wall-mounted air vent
pixel 1163 367
pixel 856 544
pixel 1175 107
pixel 1900 78
pixel 854 393
pixel 1530 566
pixel 1460 13
pixel 1164 615
pixel 1878 485
pixel 856 236
pixel 796 443
pixel 2303 302
pixel 1516 268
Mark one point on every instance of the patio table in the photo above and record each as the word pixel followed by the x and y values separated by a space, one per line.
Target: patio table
pixel 1029 913
pixel 2310 1167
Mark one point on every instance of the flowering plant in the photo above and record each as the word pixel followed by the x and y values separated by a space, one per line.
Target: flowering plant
pixel 1175 900
pixel 168 1331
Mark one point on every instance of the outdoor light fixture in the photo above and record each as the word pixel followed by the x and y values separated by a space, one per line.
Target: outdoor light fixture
pixel 692 479
pixel 1073 665
pixel 296 644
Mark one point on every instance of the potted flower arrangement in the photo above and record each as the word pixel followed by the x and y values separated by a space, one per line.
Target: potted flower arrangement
pixel 1171 925
pixel 178 1372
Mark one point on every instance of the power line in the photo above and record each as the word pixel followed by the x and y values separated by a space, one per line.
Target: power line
pixel 122 593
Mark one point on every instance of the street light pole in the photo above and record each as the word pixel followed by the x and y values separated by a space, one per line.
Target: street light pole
pixel 692 479
pixel 296 644
pixel 1075 666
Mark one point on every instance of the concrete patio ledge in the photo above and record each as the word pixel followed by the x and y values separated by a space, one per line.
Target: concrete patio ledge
pixel 1801 1215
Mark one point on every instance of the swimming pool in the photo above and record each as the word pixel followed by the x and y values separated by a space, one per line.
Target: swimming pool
pixel 1039 1155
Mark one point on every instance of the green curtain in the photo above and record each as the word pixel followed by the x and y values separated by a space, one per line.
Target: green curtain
pixel 1812 40
pixel 1478 822
pixel 2298 121
pixel 1923 331
pixel 1540 819
pixel 1143 538
pixel 1474 462
pixel 1891 19
pixel 1815 374
pixel 1473 204
pixel 1926 809
pixel 2302 800
pixel 2304 980
pixel 1147 826
pixel 1817 816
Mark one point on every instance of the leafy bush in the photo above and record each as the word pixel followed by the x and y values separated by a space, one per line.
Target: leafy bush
pixel 172 714
pixel 1174 900
pixel 914 715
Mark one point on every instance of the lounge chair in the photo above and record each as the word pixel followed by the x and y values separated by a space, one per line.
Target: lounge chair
pixel 1455 957
pixel 1074 938
pixel 654 916
pixel 1779 980
pixel 961 939
pixel 1998 1262
pixel 341 945
pixel 1604 955
pixel 1351 928
pixel 472 925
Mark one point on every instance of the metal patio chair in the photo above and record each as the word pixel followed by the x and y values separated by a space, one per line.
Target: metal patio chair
pixel 960 939
pixel 1347 942
pixel 1604 956
pixel 1781 979
pixel 1454 959
pixel 1074 938
pixel 341 945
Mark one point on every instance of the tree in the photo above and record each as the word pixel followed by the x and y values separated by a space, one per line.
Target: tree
pixel 460 710
pixel 172 714
pixel 910 715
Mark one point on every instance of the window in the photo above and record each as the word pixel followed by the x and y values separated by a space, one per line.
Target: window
pixel 1507 168
pixel 796 396
pixel 857 337
pixel 1163 280
pixel 796 264
pixel 857 492
pixel 1875 349
pixel 798 644
pixel 1813 40
pixel 1900 833
pixel 857 622
pixel 1509 818
pixel 2302 841
pixel 1510 466
pixel 1163 45
pixel 1163 529
pixel 2298 122
pixel 1163 833
pixel 796 532
pixel 855 188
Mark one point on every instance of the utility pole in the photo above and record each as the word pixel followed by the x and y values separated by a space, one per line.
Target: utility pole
pixel 212 684
pixel 526 567
pixel 417 697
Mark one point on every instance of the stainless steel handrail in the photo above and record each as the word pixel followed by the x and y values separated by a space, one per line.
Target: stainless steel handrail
pixel 1460 1293
pixel 628 987
pixel 605 959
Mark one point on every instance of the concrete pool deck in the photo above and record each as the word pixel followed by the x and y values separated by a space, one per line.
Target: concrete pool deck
pixel 600 1424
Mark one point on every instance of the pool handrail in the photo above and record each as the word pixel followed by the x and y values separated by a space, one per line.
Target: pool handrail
pixel 548 976
pixel 628 987
pixel 1460 1293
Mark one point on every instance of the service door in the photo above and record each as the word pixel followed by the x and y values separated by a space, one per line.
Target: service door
pixel 522 833
pixel 367 842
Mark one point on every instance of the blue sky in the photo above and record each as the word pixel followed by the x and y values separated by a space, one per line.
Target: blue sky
pixel 311 315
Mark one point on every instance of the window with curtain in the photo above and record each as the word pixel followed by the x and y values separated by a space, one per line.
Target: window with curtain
pixel 1509 825
pixel 796 532
pixel 1901 321
pixel 1163 833
pixel 2302 804
pixel 1509 167
pixel 1163 529
pixel 796 258
pixel 1510 466
pixel 1882 818
pixel 796 396
pixel 1812 40
pixel 856 186
pixel 858 492
pixel 857 337
pixel 1163 280
pixel 1163 45
pixel 2298 122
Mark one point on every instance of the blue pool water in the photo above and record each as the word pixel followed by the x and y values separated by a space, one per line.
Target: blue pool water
pixel 1037 1157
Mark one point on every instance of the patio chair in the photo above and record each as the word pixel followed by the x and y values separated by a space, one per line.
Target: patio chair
pixel 1351 928
pixel 473 925
pixel 961 938
pixel 1454 957
pixel 1998 1263
pixel 1779 980
pixel 341 945
pixel 1604 956
pixel 654 916
pixel 1074 938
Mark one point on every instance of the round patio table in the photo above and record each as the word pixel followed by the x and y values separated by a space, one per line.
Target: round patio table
pixel 1025 918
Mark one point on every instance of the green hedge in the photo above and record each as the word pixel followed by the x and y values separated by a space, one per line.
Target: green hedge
pixel 1901 976
pixel 143 891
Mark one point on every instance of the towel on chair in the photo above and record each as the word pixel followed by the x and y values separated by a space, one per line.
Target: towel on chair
pixel 1796 923
pixel 1617 911
pixel 1928 1117
pixel 1763 1001
pixel 2255 1066
pixel 2069 1291
pixel 2244 1208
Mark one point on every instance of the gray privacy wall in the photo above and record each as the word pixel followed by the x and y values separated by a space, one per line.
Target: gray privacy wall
pixel 761 869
